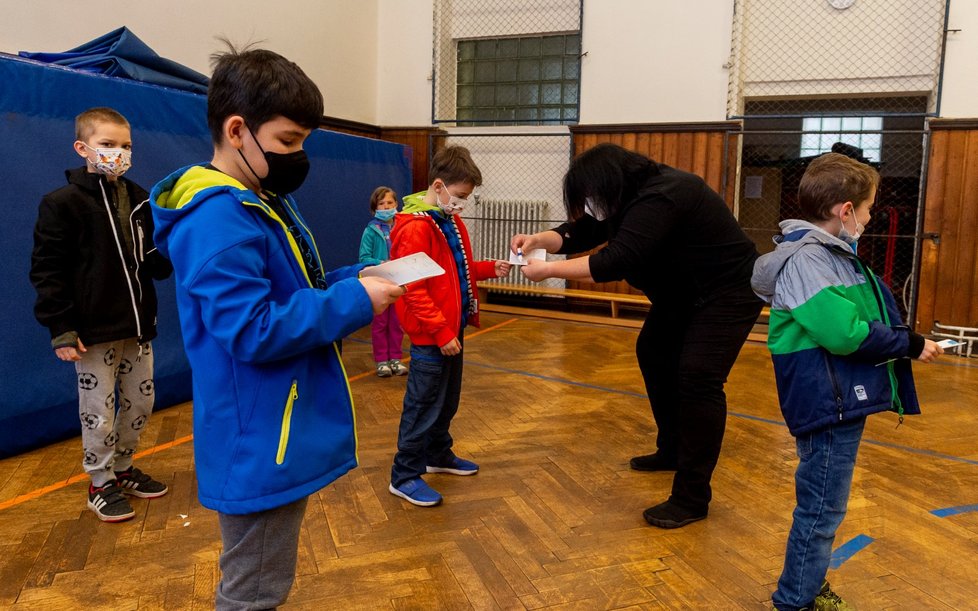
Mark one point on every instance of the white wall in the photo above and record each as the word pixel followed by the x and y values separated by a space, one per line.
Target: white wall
pixel 655 61
pixel 959 97
pixel 334 41
pixel 647 61
pixel 404 39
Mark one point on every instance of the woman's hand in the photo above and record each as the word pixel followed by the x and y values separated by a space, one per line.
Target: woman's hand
pixel 537 270
pixel 522 243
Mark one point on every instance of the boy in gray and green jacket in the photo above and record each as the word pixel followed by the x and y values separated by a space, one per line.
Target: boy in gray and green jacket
pixel 840 353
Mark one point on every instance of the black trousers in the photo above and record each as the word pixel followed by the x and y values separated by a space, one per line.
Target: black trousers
pixel 685 353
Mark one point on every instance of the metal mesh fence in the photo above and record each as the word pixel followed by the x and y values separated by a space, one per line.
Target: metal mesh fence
pixel 858 77
pixel 784 50
pixel 506 62
pixel 521 192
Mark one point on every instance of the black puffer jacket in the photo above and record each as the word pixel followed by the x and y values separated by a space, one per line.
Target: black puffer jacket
pixel 87 279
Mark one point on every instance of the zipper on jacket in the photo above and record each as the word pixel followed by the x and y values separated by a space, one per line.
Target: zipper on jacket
pixel 283 438
pixel 835 383
pixel 137 248
pixel 122 259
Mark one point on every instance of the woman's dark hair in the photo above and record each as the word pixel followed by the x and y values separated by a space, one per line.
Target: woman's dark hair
pixel 607 174
pixel 260 85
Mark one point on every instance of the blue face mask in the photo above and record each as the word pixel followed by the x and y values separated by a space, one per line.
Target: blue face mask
pixel 385 215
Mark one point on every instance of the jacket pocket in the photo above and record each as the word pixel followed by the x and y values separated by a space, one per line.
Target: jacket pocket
pixel 283 439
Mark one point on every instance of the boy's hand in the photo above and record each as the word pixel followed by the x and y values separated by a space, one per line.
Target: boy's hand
pixel 536 270
pixel 930 352
pixel 451 348
pixel 70 353
pixel 382 292
pixel 502 268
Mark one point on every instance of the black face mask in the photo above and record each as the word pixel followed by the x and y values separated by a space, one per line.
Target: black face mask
pixel 286 172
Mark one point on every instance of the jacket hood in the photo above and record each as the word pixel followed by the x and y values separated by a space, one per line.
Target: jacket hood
pixel 795 234
pixel 415 203
pixel 183 191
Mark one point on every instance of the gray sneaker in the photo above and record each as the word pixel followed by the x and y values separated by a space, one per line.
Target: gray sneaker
pixel 384 370
pixel 398 367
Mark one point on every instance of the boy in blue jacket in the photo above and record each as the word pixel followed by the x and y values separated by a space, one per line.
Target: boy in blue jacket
pixel 273 414
pixel 840 354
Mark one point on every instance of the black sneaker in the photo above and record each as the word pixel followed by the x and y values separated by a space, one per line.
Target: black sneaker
pixel 135 482
pixel 109 504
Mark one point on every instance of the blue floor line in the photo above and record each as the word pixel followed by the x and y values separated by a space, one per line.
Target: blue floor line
pixel 848 549
pixel 953 511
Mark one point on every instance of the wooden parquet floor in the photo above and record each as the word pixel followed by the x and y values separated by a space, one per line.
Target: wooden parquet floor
pixel 551 411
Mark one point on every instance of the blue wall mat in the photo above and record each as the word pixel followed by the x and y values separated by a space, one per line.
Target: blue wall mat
pixel 38 103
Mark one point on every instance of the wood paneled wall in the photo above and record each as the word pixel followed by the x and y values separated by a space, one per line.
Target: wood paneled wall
pixel 948 289
pixel 705 149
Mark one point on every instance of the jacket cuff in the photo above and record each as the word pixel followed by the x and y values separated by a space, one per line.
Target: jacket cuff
pixel 68 338
pixel 916 345
pixel 444 335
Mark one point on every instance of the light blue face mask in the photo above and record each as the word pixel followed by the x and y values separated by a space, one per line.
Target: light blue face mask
pixel 385 215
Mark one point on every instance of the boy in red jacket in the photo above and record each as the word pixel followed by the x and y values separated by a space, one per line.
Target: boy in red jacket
pixel 434 313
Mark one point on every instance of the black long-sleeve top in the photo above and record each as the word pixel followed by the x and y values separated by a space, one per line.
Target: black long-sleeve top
pixel 676 241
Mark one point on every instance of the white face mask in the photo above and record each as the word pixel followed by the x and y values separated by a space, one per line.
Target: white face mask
pixel 851 236
pixel 454 206
pixel 112 162
pixel 591 210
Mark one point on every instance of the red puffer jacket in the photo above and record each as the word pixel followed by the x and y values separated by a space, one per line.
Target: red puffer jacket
pixel 430 311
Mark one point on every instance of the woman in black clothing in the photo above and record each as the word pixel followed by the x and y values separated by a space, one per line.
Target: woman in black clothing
pixel 672 237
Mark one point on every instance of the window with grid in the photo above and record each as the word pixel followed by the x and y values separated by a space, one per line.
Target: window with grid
pixel 820 133
pixel 529 80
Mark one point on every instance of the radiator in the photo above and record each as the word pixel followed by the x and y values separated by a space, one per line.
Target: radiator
pixel 495 221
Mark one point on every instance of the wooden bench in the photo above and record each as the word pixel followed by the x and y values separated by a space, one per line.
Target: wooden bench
pixel 615 299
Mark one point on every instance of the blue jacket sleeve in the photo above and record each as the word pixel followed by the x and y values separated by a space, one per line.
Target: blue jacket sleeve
pixel 238 310
pixel 343 273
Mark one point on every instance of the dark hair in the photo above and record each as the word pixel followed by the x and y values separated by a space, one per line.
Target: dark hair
pixel 379 194
pixel 833 179
pixel 260 85
pixel 454 164
pixel 608 174
pixel 86 122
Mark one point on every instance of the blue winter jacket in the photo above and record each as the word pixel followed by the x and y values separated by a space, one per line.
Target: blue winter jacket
pixel 273 413
pixel 839 348
pixel 375 244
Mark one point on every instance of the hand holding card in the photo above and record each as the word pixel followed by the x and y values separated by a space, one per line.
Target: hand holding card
pixel 405 270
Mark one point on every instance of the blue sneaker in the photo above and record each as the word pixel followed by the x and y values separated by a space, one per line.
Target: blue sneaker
pixel 416 492
pixel 457 466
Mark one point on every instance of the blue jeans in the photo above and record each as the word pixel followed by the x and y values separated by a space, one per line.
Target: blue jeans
pixel 434 387
pixel 822 482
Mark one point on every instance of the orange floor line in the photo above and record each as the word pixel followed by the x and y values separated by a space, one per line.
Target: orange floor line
pixel 33 494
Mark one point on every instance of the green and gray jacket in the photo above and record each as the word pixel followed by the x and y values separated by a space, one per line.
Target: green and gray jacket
pixel 833 327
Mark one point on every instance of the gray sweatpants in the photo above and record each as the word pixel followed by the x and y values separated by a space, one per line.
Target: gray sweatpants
pixel 110 373
pixel 259 556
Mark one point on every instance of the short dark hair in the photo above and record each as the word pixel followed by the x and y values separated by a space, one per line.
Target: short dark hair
pixel 260 85
pixel 454 164
pixel 607 174
pixel 86 122
pixel 833 179
pixel 379 194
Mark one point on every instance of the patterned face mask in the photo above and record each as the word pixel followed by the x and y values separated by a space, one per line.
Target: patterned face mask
pixel 112 162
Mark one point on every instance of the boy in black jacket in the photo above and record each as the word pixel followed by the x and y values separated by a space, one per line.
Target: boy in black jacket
pixel 93 267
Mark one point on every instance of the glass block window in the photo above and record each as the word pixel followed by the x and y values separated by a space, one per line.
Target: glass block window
pixel 532 80
pixel 820 133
